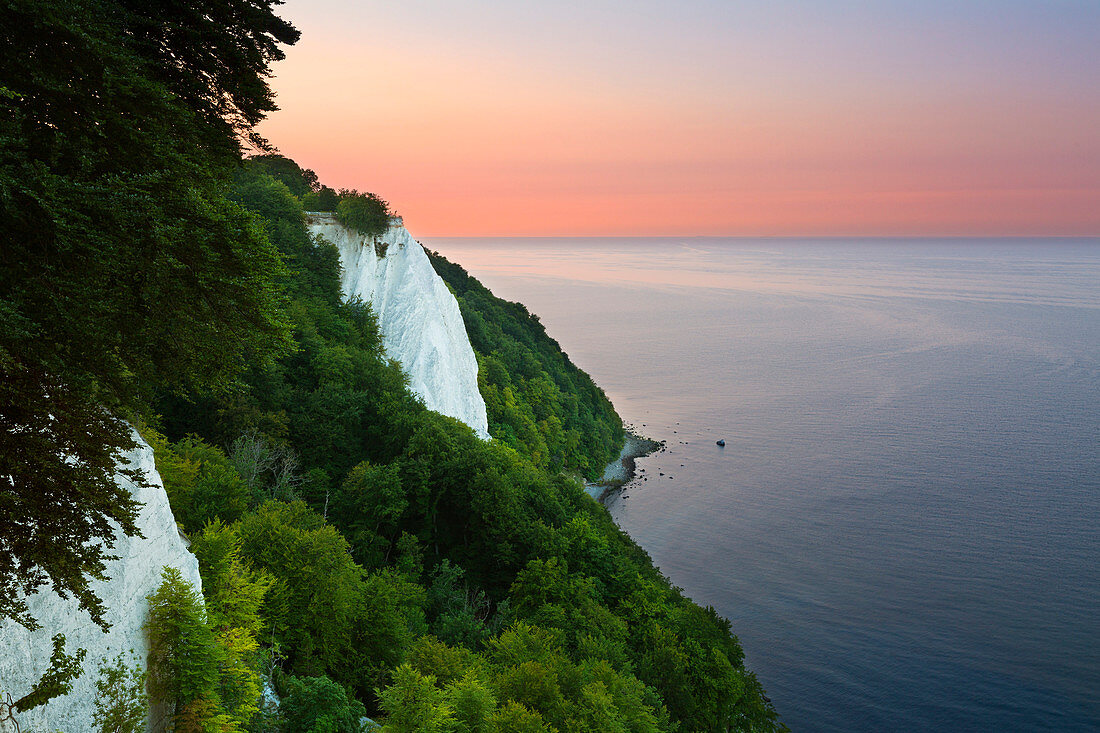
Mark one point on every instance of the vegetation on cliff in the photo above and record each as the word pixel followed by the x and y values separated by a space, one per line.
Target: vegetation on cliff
pixel 444 582
pixel 125 271
pixel 364 552
pixel 537 400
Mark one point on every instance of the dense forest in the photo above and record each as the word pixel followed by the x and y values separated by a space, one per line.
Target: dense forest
pixel 363 554
pixel 538 401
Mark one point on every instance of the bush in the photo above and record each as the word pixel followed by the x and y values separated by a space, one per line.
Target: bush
pixel 323 200
pixel 366 213
pixel 319 704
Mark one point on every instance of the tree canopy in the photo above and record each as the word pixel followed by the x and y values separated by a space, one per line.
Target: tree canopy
pixel 536 398
pixel 125 271
pixel 366 213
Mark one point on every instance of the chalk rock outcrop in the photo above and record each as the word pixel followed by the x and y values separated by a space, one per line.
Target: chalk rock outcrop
pixel 418 316
pixel 24 655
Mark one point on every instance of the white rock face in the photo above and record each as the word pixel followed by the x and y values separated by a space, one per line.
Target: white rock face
pixel 418 316
pixel 25 655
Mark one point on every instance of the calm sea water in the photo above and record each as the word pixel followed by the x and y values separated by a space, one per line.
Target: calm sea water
pixel 904 525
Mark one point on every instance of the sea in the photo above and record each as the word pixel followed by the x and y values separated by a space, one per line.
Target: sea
pixel 903 526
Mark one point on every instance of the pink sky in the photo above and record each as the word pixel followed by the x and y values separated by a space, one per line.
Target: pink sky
pixel 781 118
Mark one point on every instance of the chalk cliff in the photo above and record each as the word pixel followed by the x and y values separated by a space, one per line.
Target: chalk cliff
pixel 25 655
pixel 418 316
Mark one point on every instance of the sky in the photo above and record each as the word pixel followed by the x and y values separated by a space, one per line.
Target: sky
pixel 689 117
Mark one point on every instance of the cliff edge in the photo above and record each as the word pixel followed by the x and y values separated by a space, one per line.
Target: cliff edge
pixel 418 317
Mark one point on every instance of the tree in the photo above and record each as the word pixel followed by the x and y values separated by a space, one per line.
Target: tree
pixel 183 656
pixel 200 481
pixel 473 704
pixel 367 509
pixel 413 704
pixel 120 702
pixel 366 213
pixel 299 180
pixel 58 678
pixel 323 199
pixel 515 718
pixel 318 589
pixel 234 594
pixel 319 705
pixel 125 271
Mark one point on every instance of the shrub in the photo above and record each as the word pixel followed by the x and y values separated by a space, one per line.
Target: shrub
pixel 366 213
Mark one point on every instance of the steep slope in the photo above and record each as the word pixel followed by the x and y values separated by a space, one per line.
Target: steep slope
pixel 419 318
pixel 537 400
pixel 24 655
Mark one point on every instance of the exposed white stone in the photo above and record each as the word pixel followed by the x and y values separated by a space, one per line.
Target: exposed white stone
pixel 418 316
pixel 25 655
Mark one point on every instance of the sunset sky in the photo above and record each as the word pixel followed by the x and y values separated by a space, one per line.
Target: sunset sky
pixel 971 117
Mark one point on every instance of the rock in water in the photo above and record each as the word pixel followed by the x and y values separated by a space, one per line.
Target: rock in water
pixel 24 655
pixel 418 316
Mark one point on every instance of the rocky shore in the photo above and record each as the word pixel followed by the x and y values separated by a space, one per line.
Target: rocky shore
pixel 621 471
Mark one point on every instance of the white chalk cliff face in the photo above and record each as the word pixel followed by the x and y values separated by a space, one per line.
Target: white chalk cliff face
pixel 24 655
pixel 418 316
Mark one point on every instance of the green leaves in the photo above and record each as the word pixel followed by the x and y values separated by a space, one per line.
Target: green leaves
pixel 58 678
pixel 366 213
pixel 319 705
pixel 183 657
pixel 120 703
pixel 125 271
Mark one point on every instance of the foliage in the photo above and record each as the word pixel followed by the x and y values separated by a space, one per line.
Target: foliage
pixel 366 213
pixel 234 595
pixel 125 271
pixel 413 704
pixel 201 482
pixel 537 400
pixel 300 181
pixel 183 656
pixel 120 702
pixel 58 678
pixel 526 681
pixel 319 705
pixel 400 522
pixel 324 199
pixel 328 615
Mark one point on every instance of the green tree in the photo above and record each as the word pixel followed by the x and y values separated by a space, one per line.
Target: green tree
pixel 201 482
pixel 513 717
pixel 473 704
pixel 324 199
pixel 319 705
pixel 125 271
pixel 368 509
pixel 183 654
pixel 300 181
pixel 234 594
pixel 313 603
pixel 413 704
pixel 366 213
pixel 121 704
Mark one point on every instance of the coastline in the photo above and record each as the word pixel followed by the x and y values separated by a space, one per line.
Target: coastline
pixel 622 470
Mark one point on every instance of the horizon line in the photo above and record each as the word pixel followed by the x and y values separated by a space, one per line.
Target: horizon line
pixel 765 236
